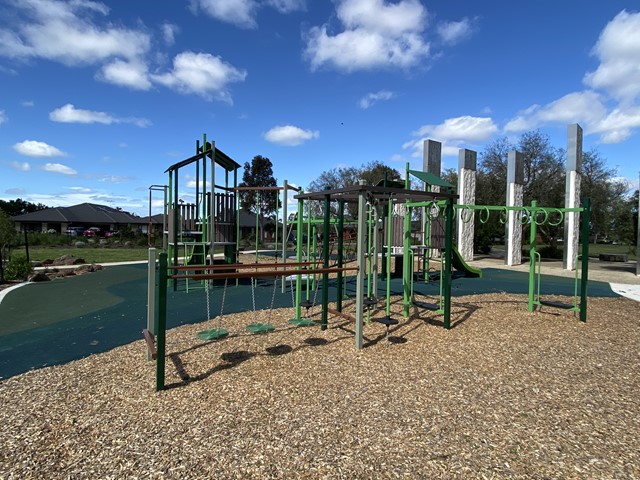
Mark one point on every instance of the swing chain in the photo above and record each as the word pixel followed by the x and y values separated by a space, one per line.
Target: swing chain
pixel 208 301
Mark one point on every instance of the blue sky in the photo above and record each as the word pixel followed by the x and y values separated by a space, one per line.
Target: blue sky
pixel 98 99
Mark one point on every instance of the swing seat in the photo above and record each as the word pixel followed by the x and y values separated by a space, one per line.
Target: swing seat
pixel 556 304
pixel 302 322
pixel 213 334
pixel 426 305
pixel 256 328
pixel 386 321
pixel 306 304
pixel 370 301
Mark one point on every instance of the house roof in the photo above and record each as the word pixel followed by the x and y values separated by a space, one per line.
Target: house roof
pixel 89 213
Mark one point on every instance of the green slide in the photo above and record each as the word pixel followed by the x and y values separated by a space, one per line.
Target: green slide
pixel 460 265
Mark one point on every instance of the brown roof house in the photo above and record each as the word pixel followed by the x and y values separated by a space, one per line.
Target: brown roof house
pixel 84 215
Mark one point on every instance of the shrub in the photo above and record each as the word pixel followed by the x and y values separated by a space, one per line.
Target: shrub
pixel 550 252
pixel 18 268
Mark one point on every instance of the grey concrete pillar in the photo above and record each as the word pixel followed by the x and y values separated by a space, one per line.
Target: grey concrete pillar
pixel 467 160
pixel 572 196
pixel 432 158
pixel 515 198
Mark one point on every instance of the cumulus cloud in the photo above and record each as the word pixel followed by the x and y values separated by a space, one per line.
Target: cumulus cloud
pixel 70 114
pixel 34 148
pixel 371 99
pixel 376 34
pixel 132 74
pixel 608 107
pixel 203 74
pixel 3 117
pixel 453 133
pixel 21 166
pixel 454 32
pixel 618 50
pixel 169 31
pixel 64 32
pixel 243 13
pixel 59 168
pixel 289 135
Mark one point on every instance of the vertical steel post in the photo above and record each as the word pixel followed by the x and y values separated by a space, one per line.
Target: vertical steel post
pixel 151 295
pixel 284 230
pixel 299 258
pixel 388 257
pixel 407 277
pixel 584 281
pixel 360 278
pixel 448 250
pixel 340 253
pixel 162 322
pixel 532 255
pixel 325 261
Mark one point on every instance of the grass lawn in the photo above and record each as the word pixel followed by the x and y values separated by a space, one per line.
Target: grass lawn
pixel 595 249
pixel 89 254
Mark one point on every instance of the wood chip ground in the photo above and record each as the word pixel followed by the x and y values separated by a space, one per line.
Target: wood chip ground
pixel 504 394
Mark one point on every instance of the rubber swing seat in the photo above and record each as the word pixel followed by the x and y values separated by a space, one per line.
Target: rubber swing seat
pixel 260 328
pixel 213 334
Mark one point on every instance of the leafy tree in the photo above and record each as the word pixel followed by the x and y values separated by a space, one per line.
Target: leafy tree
pixel 259 173
pixel 610 206
pixel 7 236
pixel 19 207
pixel 342 177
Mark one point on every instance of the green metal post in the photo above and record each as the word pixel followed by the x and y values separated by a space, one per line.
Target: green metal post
pixel 448 249
pixel 299 259
pixel 407 277
pixel 258 210
pixel 325 262
pixel 340 253
pixel 162 322
pixel 388 257
pixel 361 246
pixel 586 220
pixel 531 305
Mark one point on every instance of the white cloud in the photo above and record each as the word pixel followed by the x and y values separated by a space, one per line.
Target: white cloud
pixel 69 114
pixel 3 117
pixel 377 34
pixel 372 98
pixel 242 13
pixel 33 148
pixel 64 32
pixel 454 32
pixel 115 178
pixel 169 31
pixel 237 12
pixel 59 168
pixel 453 133
pixel 290 135
pixel 202 74
pixel 21 166
pixel 132 74
pixel 28 103
pixel 618 50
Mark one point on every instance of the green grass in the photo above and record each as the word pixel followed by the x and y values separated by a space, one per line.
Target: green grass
pixel 595 249
pixel 89 254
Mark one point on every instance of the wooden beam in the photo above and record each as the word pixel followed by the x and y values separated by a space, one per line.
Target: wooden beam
pixel 151 345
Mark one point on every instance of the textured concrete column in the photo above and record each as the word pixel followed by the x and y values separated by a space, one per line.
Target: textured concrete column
pixel 515 198
pixel 467 160
pixel 432 159
pixel 572 196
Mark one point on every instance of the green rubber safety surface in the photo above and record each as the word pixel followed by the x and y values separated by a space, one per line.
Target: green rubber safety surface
pixel 213 334
pixel 260 328
pixel 302 322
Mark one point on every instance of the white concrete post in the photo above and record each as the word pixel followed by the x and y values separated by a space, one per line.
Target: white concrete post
pixel 467 192
pixel 572 196
pixel 431 163
pixel 515 198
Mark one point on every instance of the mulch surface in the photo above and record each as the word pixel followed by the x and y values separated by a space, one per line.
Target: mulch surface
pixel 504 394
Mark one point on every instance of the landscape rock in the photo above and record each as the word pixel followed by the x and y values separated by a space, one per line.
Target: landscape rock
pixel 38 277
pixel 68 260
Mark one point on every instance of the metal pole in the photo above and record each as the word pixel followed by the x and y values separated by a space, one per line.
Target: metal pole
pixel 532 255
pixel 388 257
pixel 299 258
pixel 584 281
pixel 325 261
pixel 340 253
pixel 151 295
pixel 284 230
pixel 448 250
pixel 162 322
pixel 360 278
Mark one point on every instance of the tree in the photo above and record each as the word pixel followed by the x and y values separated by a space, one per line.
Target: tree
pixel 259 173
pixel 7 236
pixel 342 177
pixel 608 197
pixel 19 207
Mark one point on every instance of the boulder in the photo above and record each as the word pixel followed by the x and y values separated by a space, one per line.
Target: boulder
pixel 68 260
pixel 38 277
